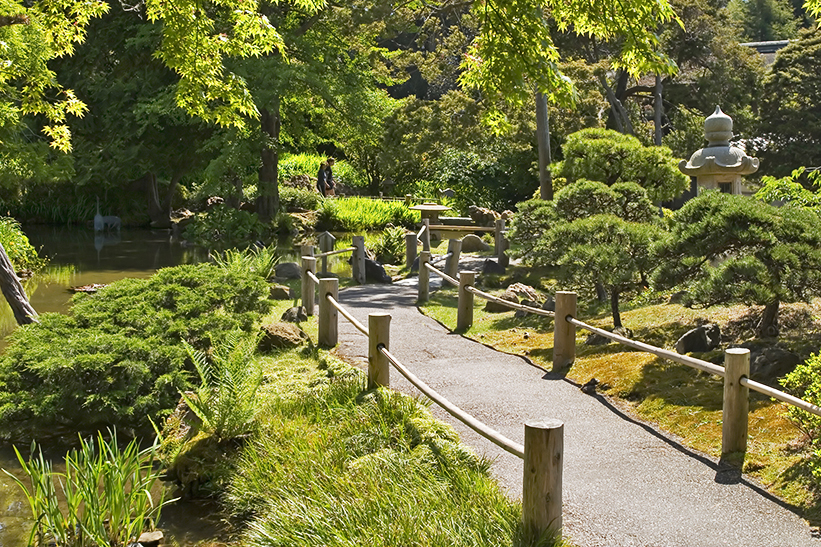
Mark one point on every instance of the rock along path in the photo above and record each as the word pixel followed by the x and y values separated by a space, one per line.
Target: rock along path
pixel 625 483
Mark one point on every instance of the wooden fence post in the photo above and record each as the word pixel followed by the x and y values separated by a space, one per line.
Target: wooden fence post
pixel 452 264
pixel 308 288
pixel 564 334
pixel 306 250
pixel 464 312
pixel 499 239
pixel 424 277
pixel 736 401
pixel 358 260
pixel 542 481
pixel 379 334
pixel 410 249
pixel 328 315
pixel 426 235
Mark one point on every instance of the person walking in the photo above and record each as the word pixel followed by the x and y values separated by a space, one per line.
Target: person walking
pixel 325 178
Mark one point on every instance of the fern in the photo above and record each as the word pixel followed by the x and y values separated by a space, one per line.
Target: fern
pixel 225 400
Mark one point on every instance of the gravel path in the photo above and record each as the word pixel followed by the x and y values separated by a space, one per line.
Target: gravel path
pixel 625 483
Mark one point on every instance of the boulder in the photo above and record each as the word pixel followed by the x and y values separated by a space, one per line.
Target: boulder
pixel 495 307
pixel 295 315
pixel 281 336
pixel 375 272
pixel 279 292
pixel 524 291
pixel 700 339
pixel 472 243
pixel 549 304
pixel 288 270
pixel 151 539
pixel 482 216
pixel 491 267
pixel 772 363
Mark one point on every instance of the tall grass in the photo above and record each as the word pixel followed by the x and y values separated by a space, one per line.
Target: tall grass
pixel 258 260
pixel 358 214
pixel 106 492
pixel 291 165
pixel 337 465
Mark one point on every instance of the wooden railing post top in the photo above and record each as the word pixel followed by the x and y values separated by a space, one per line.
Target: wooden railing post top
pixel 566 292
pixel 737 351
pixel 549 423
pixel 379 314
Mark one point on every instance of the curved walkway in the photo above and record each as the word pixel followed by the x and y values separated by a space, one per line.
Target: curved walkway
pixel 625 483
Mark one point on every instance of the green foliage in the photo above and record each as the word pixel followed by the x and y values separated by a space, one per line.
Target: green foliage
pixel 609 157
pixel 119 355
pixel 226 399
pixel 731 248
pixel 104 497
pixel 292 165
pixel 261 261
pixel 359 214
pixel 791 107
pixel 791 189
pixel 21 253
pixel 805 383
pixel 389 248
pixel 223 227
pixel 763 20
pixel 515 52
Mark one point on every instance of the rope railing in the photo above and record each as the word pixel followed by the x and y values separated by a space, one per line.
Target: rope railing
pixel 336 252
pixel 359 326
pixel 667 354
pixel 479 427
pixel 509 304
pixel 443 275
pixel 313 277
pixel 441 258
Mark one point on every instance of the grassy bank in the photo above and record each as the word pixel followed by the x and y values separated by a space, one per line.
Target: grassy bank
pixel 332 463
pixel 680 400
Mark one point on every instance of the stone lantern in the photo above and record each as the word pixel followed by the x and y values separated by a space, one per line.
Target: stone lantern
pixel 720 166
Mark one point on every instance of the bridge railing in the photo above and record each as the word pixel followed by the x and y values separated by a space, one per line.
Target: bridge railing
pixel 422 239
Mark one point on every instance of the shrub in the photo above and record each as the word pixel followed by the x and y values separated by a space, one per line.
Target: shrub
pixel 118 358
pixel 223 227
pixel 21 253
pixel 299 198
pixel 389 248
pixel 292 165
pixel 805 383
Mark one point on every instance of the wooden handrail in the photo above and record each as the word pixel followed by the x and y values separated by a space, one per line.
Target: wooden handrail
pixel 667 354
pixel 443 275
pixel 490 434
pixel 313 277
pixel 359 326
pixel 336 252
pixel 512 305
pixel 781 396
pixel 451 228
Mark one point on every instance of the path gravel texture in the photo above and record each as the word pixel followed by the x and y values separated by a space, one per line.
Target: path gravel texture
pixel 625 483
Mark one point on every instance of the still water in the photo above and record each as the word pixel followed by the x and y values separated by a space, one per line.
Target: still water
pixel 77 257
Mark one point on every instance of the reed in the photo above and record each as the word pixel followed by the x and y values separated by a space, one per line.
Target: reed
pixel 106 492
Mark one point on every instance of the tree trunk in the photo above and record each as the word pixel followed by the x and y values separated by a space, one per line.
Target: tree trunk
pixel 618 114
pixel 268 200
pixel 658 110
pixel 14 292
pixel 159 211
pixel 768 326
pixel 601 292
pixel 543 140
pixel 614 308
